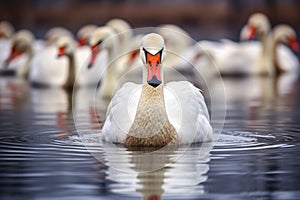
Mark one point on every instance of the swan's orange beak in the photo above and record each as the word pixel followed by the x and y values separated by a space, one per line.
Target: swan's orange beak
pixel 81 42
pixel 153 66
pixel 293 44
pixel 251 32
pixel 95 50
pixel 61 52
pixel 14 53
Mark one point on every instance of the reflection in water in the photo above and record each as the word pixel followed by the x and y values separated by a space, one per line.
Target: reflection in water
pixel 153 173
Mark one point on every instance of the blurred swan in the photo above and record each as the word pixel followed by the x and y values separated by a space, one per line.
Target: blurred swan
pixel 229 57
pixel 128 44
pixel 266 57
pixel 21 53
pixel 78 74
pixel 46 69
pixel 150 114
pixel 104 44
pixel 6 32
pixel 269 56
pixel 274 56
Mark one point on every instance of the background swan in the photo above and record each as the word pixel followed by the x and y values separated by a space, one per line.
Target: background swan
pixel 151 114
pixel 21 53
pixel 46 69
pixel 267 56
pixel 104 43
pixel 6 32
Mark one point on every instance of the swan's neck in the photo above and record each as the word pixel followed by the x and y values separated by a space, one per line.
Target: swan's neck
pixel 151 126
pixel 264 67
pixel 109 82
pixel 71 74
pixel 29 53
pixel 274 56
pixel 110 78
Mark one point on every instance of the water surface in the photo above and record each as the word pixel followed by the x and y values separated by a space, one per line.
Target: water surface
pixel 43 156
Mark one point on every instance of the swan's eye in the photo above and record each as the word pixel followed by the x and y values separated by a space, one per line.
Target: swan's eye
pixel 99 42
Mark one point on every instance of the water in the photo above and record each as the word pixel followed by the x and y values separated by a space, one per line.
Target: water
pixel 43 156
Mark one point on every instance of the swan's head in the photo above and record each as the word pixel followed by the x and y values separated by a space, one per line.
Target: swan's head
pixel 258 25
pixel 176 38
pixel 55 33
pixel 152 52
pixel 286 34
pixel 100 39
pixel 122 28
pixel 21 43
pixel 65 46
pixel 6 29
pixel 118 25
pixel 84 34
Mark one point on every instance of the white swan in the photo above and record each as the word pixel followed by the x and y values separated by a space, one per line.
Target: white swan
pixel 78 74
pixel 46 68
pixel 266 57
pixel 6 32
pixel 152 114
pixel 271 55
pixel 104 44
pixel 21 53
pixel 127 49
pixel 50 69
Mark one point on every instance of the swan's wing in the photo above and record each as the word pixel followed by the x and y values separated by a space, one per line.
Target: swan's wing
pixel 121 112
pixel 287 59
pixel 187 112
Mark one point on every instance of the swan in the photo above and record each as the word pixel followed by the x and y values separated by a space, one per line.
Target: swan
pixel 104 44
pixel 150 114
pixel 20 54
pixel 86 77
pixel 128 49
pixel 272 56
pixel 264 57
pixel 46 69
pixel 6 32
pixel 78 74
